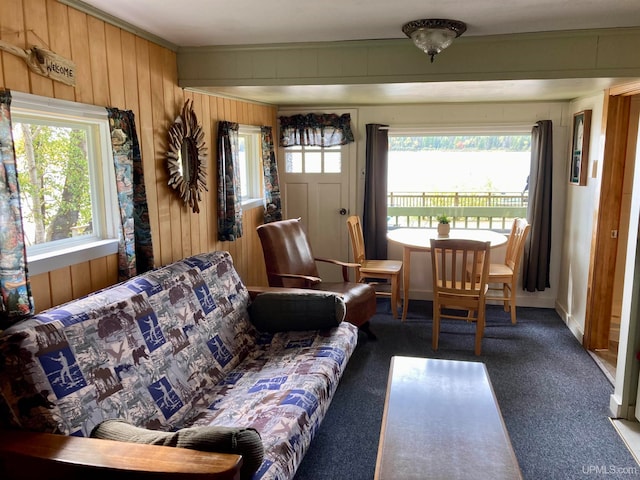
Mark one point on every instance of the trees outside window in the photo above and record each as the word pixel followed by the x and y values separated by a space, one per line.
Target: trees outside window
pixel 66 178
pixel 53 174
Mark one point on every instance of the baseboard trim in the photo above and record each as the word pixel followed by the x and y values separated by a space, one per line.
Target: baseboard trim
pixel 574 327
pixel 620 410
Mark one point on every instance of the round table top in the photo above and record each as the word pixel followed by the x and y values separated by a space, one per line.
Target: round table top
pixel 420 237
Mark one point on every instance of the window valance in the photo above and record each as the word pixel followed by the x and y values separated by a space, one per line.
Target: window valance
pixel 322 130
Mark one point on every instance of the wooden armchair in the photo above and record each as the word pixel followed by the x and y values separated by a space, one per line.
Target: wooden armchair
pixel 290 263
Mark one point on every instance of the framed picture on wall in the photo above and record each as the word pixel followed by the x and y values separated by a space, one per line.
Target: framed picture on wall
pixel 580 148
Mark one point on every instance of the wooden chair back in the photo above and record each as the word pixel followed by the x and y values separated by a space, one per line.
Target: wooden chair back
pixel 383 275
pixel 460 267
pixel 515 244
pixel 460 274
pixel 357 238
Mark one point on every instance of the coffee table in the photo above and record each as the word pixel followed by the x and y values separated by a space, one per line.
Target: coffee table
pixel 441 420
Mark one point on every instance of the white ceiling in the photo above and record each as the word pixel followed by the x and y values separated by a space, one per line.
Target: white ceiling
pixel 238 22
pixel 217 22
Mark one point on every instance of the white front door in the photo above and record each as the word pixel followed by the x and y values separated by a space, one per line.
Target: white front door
pixel 315 186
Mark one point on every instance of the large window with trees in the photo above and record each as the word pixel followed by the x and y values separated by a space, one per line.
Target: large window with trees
pixel 477 179
pixel 65 174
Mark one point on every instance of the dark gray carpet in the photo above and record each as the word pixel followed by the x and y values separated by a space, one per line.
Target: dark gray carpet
pixel 553 397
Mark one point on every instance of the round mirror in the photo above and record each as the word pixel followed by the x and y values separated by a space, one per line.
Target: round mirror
pixel 186 157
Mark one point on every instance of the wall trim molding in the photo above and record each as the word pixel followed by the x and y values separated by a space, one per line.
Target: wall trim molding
pixel 597 53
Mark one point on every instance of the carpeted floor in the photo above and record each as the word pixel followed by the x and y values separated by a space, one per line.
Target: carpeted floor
pixel 553 397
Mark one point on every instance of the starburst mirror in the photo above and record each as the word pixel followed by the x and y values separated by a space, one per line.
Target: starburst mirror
pixel 186 157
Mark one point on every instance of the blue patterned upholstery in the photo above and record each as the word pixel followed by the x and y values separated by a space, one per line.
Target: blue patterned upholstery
pixel 168 349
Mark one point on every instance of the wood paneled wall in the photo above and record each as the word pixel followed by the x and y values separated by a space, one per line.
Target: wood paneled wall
pixel 116 68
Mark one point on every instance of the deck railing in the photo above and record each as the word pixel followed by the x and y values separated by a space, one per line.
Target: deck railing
pixel 494 211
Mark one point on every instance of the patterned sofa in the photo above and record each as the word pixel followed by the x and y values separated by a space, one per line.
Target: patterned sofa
pixel 169 349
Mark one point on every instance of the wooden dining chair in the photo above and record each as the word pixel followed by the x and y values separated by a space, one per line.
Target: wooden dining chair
pixel 454 289
pixel 506 274
pixel 372 270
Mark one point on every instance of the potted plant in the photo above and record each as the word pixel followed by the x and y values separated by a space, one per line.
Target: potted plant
pixel 443 226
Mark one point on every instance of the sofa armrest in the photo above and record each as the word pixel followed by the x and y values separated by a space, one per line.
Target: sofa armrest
pixel 27 455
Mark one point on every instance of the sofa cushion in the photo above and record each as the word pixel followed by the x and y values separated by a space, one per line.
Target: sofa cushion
pixel 239 441
pixel 283 390
pixel 287 311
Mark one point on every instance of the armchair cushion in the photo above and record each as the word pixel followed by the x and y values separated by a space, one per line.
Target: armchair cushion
pixel 239 441
pixel 286 311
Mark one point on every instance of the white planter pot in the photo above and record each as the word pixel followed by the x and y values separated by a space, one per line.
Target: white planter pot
pixel 443 229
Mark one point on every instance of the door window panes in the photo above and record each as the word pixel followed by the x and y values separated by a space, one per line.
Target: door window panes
pixel 301 159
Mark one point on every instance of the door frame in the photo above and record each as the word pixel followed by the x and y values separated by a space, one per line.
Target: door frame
pixel 604 248
pixel 615 126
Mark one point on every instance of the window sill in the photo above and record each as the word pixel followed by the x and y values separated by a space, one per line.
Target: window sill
pixel 49 261
pixel 250 203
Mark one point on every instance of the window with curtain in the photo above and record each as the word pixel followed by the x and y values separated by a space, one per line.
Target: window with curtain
pixel 249 158
pixel 477 179
pixel 67 185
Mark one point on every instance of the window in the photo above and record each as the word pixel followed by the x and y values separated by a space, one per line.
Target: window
pixel 305 159
pixel 67 184
pixel 478 180
pixel 250 153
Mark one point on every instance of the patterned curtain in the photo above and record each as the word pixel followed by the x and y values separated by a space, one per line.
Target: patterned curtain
pixel 136 248
pixel 14 279
pixel 321 130
pixel 272 205
pixel 229 207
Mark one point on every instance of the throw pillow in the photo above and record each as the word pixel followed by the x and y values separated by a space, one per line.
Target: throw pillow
pixel 239 441
pixel 296 311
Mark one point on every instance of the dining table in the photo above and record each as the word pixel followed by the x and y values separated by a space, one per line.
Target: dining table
pixel 419 240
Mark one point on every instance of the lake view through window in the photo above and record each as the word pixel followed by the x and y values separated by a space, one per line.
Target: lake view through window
pixel 480 181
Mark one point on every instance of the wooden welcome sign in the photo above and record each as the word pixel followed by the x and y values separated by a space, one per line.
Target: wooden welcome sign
pixel 45 63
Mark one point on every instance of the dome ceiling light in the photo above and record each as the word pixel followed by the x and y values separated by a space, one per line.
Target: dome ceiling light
pixel 432 35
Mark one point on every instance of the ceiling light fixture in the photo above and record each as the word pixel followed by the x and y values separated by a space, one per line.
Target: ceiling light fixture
pixel 432 35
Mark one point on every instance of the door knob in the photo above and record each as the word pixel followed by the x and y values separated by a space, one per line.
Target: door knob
pixel 343 211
